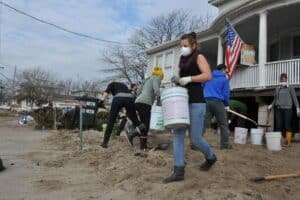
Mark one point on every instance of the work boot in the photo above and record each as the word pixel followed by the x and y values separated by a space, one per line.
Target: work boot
pixel 178 175
pixel 140 131
pixel 105 142
pixel 194 148
pixel 2 168
pixel 229 146
pixel 104 145
pixel 143 143
pixel 208 164
pixel 289 136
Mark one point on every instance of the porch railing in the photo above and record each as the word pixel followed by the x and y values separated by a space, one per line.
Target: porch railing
pixel 248 77
pixel 274 69
pixel 245 77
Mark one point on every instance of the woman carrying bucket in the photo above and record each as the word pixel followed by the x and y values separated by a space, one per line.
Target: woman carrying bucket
pixel 193 70
pixel 146 96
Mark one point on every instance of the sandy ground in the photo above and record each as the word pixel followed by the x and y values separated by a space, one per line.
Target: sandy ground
pixel 49 165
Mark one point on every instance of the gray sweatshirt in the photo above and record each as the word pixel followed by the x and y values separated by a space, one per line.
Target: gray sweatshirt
pixel 285 97
pixel 151 89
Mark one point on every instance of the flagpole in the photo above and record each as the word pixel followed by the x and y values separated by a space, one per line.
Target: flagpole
pixel 234 29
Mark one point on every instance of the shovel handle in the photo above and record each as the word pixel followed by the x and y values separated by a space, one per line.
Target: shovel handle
pixel 242 116
pixel 274 177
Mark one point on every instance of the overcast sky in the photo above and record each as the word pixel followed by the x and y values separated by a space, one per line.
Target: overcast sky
pixel 28 43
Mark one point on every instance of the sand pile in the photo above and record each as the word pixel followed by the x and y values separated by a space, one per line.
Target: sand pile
pixel 121 175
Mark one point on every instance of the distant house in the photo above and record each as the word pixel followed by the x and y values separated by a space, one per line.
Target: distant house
pixel 80 93
pixel 271 26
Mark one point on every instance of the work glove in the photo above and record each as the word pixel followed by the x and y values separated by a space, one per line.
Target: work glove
pixel 185 80
pixel 227 108
pixel 101 98
pixel 270 106
pixel 298 112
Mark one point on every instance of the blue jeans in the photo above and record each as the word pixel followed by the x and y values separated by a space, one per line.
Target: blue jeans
pixel 196 130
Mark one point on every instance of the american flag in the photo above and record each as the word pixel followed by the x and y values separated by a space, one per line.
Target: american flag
pixel 233 49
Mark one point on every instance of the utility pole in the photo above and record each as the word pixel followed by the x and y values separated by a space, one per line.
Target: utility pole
pixel 14 80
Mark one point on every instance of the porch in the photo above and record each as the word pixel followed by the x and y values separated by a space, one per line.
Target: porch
pixel 248 77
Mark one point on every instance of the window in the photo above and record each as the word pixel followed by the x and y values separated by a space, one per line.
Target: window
pixel 165 61
pixel 159 61
pixel 169 60
pixel 274 52
pixel 168 69
pixel 296 46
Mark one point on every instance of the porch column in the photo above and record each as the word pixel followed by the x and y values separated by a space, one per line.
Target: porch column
pixel 220 51
pixel 262 57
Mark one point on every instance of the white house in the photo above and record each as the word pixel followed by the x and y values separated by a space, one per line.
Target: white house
pixel 272 26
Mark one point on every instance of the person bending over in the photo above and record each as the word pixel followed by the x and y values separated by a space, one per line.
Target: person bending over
pixel 122 98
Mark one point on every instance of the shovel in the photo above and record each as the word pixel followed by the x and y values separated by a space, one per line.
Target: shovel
pixel 247 118
pixel 274 177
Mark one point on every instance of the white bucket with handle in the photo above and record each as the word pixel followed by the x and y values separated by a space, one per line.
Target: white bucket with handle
pixel 256 136
pixel 175 108
pixel 273 141
pixel 157 119
pixel 240 135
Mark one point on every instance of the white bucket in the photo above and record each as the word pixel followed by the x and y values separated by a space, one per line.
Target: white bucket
pixel 175 108
pixel 157 119
pixel 256 136
pixel 240 135
pixel 273 141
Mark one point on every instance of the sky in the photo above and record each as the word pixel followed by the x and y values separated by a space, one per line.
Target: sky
pixel 26 43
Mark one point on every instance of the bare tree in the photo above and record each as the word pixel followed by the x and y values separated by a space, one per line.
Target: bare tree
pixel 67 86
pixel 122 65
pixel 36 84
pixel 86 87
pixel 130 64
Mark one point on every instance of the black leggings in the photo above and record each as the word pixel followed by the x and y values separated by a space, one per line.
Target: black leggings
pixel 122 126
pixel 144 111
pixel 117 104
pixel 283 119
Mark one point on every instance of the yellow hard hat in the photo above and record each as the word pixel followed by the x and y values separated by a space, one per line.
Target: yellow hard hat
pixel 157 71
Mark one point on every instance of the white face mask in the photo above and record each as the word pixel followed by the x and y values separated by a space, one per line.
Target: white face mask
pixel 185 51
pixel 283 83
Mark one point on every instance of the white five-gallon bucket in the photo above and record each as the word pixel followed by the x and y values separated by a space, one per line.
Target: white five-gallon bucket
pixel 273 141
pixel 240 135
pixel 157 119
pixel 256 136
pixel 175 108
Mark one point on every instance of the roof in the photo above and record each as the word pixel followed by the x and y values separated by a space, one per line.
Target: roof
pixel 218 24
pixel 218 2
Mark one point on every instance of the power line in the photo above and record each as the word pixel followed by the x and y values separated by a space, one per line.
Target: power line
pixel 60 27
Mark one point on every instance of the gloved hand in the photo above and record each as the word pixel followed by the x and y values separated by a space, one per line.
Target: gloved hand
pixel 270 106
pixel 101 98
pixel 227 108
pixel 298 112
pixel 185 80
